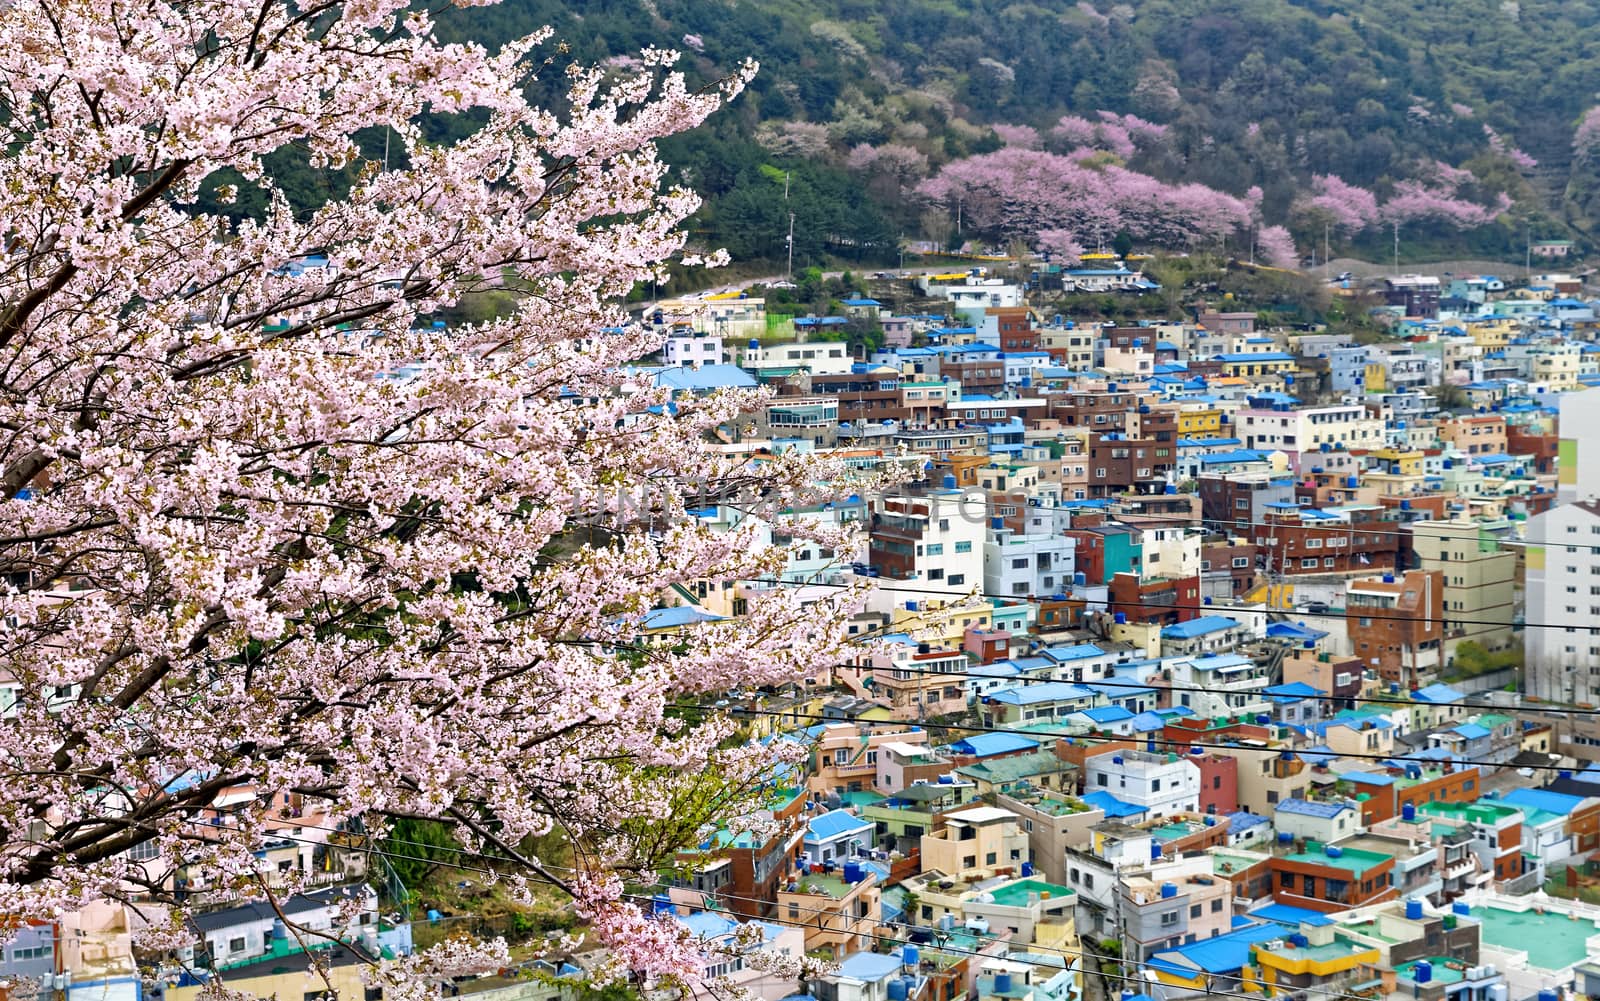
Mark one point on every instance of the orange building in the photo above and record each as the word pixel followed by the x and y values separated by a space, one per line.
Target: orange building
pixel 1396 624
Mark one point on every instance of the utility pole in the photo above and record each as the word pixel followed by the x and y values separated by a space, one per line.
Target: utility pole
pixel 959 202
pixel 790 276
pixel 1397 248
pixel 1327 262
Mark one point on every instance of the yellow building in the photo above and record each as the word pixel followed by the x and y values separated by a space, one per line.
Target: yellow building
pixel 1491 335
pixel 1201 422
pixel 1254 366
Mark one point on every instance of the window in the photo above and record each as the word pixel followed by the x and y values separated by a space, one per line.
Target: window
pixel 1169 919
pixel 1216 906
pixel 236 944
pixel 1309 563
pixel 1194 910
pixel 372 994
pixel 958 579
pixel 1100 780
pixel 1241 562
pixel 935 549
pixel 963 547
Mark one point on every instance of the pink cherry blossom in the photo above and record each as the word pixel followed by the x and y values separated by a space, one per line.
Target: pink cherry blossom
pixel 1025 136
pixel 1344 207
pixel 271 535
pixel 1017 192
pixel 1275 246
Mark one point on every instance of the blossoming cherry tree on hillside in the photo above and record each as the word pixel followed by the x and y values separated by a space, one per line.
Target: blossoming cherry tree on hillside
pixel 268 530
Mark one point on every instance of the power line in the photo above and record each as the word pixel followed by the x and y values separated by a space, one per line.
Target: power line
pixel 1345 613
pixel 822 913
pixel 1235 748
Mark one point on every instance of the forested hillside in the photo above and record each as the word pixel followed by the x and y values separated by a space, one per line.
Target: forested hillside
pixel 1175 122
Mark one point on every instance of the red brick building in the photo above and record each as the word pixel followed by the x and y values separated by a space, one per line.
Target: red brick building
pixel 1168 600
pixel 1396 624
pixel 1292 543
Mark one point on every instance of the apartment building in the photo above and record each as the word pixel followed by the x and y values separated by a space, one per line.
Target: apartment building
pixel 1151 784
pixel 980 841
pixel 1178 910
pixel 1478 575
pixel 1027 564
pixel 1396 625
pixel 1563 595
pixel 936 540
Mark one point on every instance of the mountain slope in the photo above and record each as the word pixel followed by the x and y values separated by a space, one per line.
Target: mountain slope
pixel 1251 93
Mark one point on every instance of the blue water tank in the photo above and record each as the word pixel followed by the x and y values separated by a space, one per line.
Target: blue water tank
pixel 946 780
pixel 1027 869
pixel 1352 481
pixel 1414 910
pixel 1460 908
pixel 1197 750
pixel 1262 719
pixel 1405 505
pixel 1211 821
pixel 1549 995
pixel 1002 983
pixel 949 481
pixel 660 904
pixel 1422 973
pixel 754 344
pixel 1408 812
pixel 997 523
pixel 1155 849
pixel 434 915
pixel 897 990
pixel 1120 618
pixel 1284 837
pixel 852 871
pixel 1299 941
pixel 909 956
pixel 1169 890
pixel 1334 851
pixel 1079 580
pixel 1564 774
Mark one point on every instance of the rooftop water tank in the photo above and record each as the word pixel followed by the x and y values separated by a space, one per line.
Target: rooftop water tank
pixel 1002 983
pixel 1169 890
pixel 1408 812
pixel 1414 910
pixel 949 481
pixel 897 990
pixel 1422 973
pixel 1461 908
pixel 910 955
pixel 852 871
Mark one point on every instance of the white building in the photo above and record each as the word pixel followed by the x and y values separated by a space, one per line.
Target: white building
pixel 1171 551
pixel 1026 565
pixel 1298 431
pixel 1159 784
pixel 1578 469
pixel 1563 595
pixel 818 358
pixel 687 349
pixel 936 539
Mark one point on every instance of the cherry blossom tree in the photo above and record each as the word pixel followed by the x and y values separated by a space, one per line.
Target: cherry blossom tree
pixel 1343 207
pixel 1414 201
pixel 1586 139
pixel 1022 193
pixel 268 529
pixel 1275 246
pixel 1025 136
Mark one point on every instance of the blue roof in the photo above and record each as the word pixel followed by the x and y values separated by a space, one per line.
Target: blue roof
pixel 708 924
pixel 1311 808
pixel 1286 914
pixel 1050 691
pixel 1295 691
pixel 833 824
pixel 1254 356
pixel 706 377
pixel 679 615
pixel 869 966
pixel 1239 455
pixel 1202 626
pixel 1244 820
pixel 1106 714
pixel 1439 693
pixel 985 745
pixel 1543 799
pixel 1368 778
pixel 861 302
pixel 1110 805
pixel 1472 731
pixel 1077 652
pixel 1298 631
pixel 1148 722
pixel 1319 755
pixel 1223 954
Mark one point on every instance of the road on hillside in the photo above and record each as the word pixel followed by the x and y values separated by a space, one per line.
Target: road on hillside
pixel 952 268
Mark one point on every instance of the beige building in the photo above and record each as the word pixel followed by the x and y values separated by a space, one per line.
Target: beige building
pixel 1053 822
pixel 1479 581
pixel 983 841
pixel 840 917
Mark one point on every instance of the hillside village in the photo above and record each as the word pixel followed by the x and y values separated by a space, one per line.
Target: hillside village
pixel 1202 658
